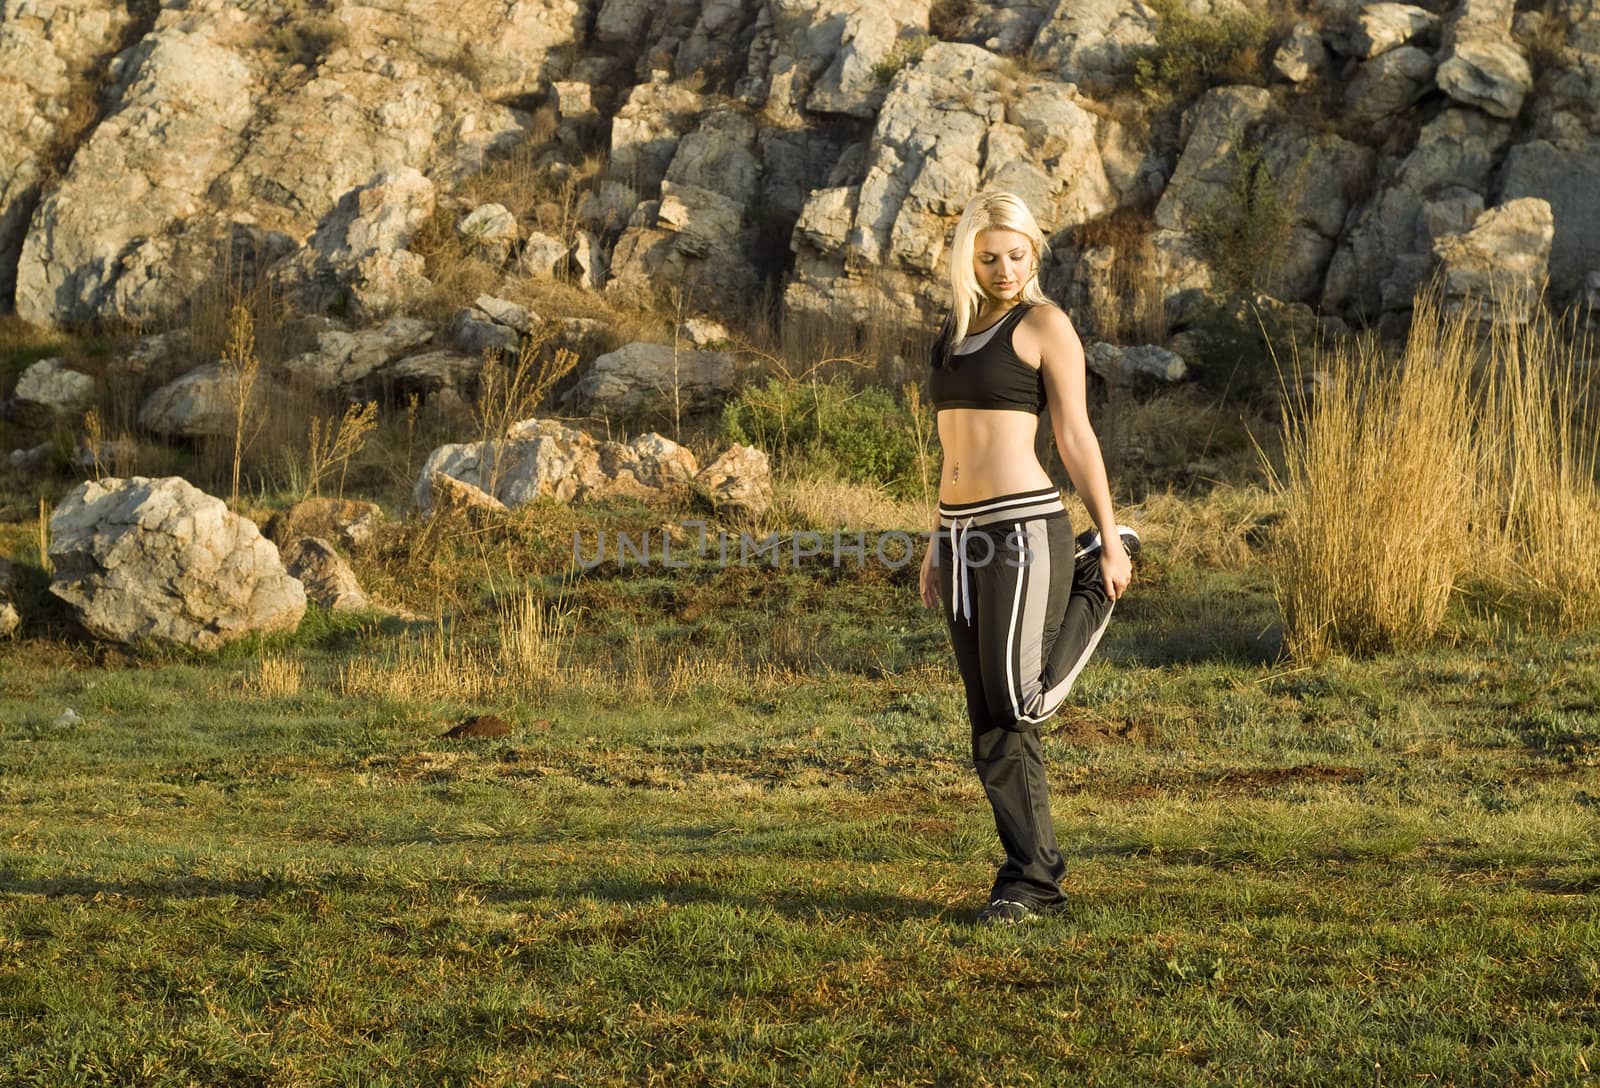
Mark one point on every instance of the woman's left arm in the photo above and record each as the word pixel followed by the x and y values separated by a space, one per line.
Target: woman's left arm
pixel 1062 366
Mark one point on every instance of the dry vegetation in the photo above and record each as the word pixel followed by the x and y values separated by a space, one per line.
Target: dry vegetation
pixel 1468 463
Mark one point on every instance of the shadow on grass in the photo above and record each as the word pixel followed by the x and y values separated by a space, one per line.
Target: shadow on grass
pixel 824 904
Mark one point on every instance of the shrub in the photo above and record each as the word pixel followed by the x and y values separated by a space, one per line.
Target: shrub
pixel 1242 231
pixel 1193 53
pixel 863 435
pixel 906 51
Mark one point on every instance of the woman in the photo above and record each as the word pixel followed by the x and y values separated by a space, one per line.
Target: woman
pixel 1026 604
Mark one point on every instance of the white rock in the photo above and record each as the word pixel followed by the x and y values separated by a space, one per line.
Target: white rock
pixel 49 385
pixel 1128 364
pixel 644 376
pixel 159 559
pixel 540 254
pixel 1496 269
pixel 1381 27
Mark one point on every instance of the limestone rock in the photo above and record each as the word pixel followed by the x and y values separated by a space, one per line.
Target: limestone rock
pixel 1387 253
pixel 589 261
pixel 159 559
pixel 327 578
pixel 1091 39
pixel 646 130
pixel 543 458
pixel 50 388
pixel 491 230
pixel 345 360
pixel 738 482
pixel 1481 65
pixel 1382 27
pixel 433 371
pixel 702 332
pixel 1389 84
pixel 447 495
pixel 350 522
pixel 540 255
pixel 869 38
pixel 473 331
pixel 98 244
pixel 10 582
pixel 1568 177
pixel 643 376
pixel 203 403
pixel 358 255
pixel 1302 55
pixel 1497 269
pixel 1129 364
pixel 957 120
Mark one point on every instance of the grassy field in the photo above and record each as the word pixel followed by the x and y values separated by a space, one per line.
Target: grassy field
pixel 735 839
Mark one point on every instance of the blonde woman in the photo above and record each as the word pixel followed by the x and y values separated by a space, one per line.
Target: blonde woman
pixel 1025 602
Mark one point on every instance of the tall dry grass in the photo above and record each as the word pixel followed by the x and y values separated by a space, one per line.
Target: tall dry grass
pixel 1469 463
pixel 1379 482
pixel 1540 435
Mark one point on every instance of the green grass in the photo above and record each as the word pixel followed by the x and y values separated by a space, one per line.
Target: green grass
pixel 1379 871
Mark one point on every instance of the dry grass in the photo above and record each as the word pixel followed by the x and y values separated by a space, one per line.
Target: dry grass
pixel 278 676
pixel 535 639
pixel 1539 433
pixel 1126 295
pixel 823 503
pixel 1214 530
pixel 1378 490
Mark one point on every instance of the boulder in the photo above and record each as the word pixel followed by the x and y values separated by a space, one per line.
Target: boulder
pixel 1481 65
pixel 646 130
pixel 328 580
pixel 159 559
pixel 543 458
pixel 1302 56
pixel 642 376
pixel 738 482
pixel 1382 27
pixel 1093 39
pixel 432 372
pixel 589 260
pixel 357 257
pixel 1388 84
pixel 345 360
pixel 1567 175
pixel 10 583
pixel 1145 362
pixel 490 230
pixel 540 255
pixel 702 332
pixel 474 331
pixel 1386 253
pixel 350 522
pixel 49 388
pixel 1497 269
pixel 444 494
pixel 870 38
pixel 203 403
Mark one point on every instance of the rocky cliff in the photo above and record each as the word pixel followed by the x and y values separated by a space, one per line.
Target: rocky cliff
pixel 824 147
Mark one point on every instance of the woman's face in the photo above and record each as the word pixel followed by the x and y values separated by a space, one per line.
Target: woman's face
pixel 1003 262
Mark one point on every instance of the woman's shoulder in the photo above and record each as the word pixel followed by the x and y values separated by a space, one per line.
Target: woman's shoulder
pixel 1046 318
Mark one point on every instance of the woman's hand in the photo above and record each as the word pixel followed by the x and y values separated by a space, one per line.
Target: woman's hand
pixel 928 583
pixel 1115 566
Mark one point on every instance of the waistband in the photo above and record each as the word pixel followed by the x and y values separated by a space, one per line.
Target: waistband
pixel 1040 502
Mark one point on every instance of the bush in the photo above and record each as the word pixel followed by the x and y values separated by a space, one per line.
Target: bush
pixel 1193 53
pixel 1242 231
pixel 906 51
pixel 862 435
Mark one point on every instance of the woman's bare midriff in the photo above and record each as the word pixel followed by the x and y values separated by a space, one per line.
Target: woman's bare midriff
pixel 988 452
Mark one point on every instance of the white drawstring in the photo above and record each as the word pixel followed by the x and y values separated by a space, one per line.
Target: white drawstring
pixel 961 595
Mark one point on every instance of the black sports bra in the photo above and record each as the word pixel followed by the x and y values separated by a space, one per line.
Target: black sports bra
pixel 991 376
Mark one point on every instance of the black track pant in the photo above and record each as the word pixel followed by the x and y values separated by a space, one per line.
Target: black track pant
pixel 1024 617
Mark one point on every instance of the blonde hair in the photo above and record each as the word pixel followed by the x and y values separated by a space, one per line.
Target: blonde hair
pixel 989 211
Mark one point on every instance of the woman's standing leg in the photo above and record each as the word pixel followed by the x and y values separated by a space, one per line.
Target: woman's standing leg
pixel 1006 754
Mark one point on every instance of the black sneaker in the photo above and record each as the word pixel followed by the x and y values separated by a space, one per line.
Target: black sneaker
pixel 1088 542
pixel 1007 912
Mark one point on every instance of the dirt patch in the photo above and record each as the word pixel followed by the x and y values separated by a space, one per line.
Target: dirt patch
pixel 1087 729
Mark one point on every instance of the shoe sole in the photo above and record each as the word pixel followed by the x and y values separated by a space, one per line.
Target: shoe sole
pixel 1091 542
